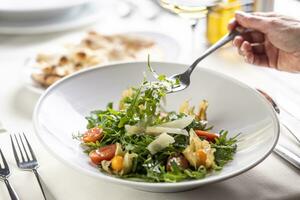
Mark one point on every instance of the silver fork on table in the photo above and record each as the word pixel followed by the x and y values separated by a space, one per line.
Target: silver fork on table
pixel 4 174
pixel 25 157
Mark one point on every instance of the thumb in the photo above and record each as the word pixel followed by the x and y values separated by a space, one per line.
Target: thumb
pixel 256 22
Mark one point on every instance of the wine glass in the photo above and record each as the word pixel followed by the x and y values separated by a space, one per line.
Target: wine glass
pixel 193 11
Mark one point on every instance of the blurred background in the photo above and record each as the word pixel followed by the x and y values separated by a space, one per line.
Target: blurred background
pixel 43 41
pixel 200 22
pixel 194 24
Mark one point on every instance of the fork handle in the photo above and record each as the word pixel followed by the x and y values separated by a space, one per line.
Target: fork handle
pixel 12 193
pixel 46 193
pixel 224 40
pixel 39 181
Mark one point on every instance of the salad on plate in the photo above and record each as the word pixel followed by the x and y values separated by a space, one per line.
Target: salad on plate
pixel 139 140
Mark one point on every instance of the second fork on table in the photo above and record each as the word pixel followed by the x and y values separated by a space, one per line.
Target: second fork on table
pixel 4 174
pixel 26 159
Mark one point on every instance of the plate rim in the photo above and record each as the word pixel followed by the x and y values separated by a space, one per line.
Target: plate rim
pixel 87 15
pixel 159 185
pixel 65 6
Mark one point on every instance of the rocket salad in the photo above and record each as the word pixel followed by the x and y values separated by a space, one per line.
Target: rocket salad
pixel 141 141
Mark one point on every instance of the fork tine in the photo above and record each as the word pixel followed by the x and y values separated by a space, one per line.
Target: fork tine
pixel 20 150
pixel 0 162
pixel 3 160
pixel 29 147
pixel 14 150
pixel 24 147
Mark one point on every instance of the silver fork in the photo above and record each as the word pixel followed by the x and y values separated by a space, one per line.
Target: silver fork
pixel 27 159
pixel 277 109
pixel 4 174
pixel 184 78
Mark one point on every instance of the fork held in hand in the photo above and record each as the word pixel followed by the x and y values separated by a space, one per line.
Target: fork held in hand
pixel 27 159
pixel 4 174
pixel 184 78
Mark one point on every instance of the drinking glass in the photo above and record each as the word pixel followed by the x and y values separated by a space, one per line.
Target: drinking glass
pixel 193 11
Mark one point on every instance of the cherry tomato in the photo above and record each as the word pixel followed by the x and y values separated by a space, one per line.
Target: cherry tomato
pixel 103 153
pixel 95 157
pixel 207 135
pixel 92 135
pixel 179 160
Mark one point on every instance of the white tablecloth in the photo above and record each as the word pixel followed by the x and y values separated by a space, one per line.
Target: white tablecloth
pixel 272 179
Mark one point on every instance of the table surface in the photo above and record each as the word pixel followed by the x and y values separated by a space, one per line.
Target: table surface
pixel 272 179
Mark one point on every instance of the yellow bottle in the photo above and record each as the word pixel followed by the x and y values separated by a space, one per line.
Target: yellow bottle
pixel 218 18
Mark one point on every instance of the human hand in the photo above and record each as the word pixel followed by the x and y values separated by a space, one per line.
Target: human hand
pixel 274 40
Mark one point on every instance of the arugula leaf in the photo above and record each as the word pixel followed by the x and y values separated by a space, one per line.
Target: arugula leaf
pixel 225 148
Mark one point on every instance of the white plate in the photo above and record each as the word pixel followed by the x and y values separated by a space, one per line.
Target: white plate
pixel 36 5
pixel 168 50
pixel 20 10
pixel 234 106
pixel 73 18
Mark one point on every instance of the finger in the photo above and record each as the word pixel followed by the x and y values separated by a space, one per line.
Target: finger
pixel 240 52
pixel 252 21
pixel 237 41
pixel 249 57
pixel 254 54
pixel 258 48
pixel 260 60
pixel 246 47
pixel 266 14
pixel 238 46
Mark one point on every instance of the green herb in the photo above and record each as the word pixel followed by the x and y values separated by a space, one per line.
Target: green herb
pixel 225 148
pixel 142 107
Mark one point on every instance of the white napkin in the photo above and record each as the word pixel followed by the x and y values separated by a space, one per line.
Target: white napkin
pixel 284 88
pixel 286 91
pixel 288 141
